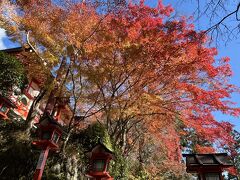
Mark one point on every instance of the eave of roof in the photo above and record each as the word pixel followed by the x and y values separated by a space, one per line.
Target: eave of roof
pixel 17 49
pixel 214 157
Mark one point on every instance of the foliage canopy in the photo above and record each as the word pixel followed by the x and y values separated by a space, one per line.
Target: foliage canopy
pixel 150 80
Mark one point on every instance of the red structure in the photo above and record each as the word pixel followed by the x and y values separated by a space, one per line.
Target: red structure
pixel 23 99
pixel 208 166
pixel 100 157
pixel 49 132
pixel 55 112
pixel 5 105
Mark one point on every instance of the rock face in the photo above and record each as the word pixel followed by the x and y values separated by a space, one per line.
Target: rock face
pixel 64 167
pixel 72 168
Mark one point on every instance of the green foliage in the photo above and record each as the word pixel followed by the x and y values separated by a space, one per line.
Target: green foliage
pixel 16 157
pixel 119 166
pixel 142 173
pixel 91 136
pixel 53 168
pixel 174 176
pixel 12 73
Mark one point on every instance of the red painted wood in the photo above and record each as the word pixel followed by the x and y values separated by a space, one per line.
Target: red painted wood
pixel 41 164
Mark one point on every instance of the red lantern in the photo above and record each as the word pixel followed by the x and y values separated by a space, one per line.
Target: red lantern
pixel 50 132
pixel 100 157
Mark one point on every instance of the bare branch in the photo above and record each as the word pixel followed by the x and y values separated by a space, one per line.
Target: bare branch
pixel 216 26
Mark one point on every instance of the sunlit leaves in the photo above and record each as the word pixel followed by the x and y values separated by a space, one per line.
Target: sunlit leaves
pixel 135 71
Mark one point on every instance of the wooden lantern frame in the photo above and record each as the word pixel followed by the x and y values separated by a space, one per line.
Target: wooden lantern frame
pixel 48 125
pixel 100 153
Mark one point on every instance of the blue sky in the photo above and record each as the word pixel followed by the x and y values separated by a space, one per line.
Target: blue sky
pixel 2 34
pixel 5 42
pixel 231 49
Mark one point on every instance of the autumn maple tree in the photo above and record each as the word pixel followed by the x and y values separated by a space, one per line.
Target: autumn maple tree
pixel 148 79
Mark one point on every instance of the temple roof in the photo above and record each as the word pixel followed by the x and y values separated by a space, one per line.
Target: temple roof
pixel 47 121
pixel 214 160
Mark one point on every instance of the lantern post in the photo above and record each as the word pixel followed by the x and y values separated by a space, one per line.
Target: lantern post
pixel 49 131
pixel 100 157
pixel 41 164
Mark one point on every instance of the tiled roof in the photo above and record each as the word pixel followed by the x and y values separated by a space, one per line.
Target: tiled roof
pixel 214 160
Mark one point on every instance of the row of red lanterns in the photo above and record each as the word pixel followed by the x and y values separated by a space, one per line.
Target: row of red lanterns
pixel 50 132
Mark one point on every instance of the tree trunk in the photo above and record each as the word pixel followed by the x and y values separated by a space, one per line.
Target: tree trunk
pixel 32 112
